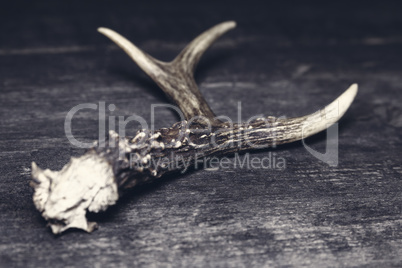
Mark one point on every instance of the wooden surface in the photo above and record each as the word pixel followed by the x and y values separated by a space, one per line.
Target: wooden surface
pixel 283 59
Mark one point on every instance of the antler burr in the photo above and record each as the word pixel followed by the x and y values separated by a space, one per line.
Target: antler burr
pixel 95 180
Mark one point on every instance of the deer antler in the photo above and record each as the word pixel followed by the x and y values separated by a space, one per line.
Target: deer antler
pixel 95 180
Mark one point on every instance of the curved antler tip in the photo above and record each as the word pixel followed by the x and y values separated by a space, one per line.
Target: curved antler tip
pixel 103 30
pixel 346 99
pixel 354 87
pixel 230 24
pixel 322 119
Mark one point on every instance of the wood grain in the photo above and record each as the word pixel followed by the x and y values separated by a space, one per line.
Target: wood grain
pixel 283 60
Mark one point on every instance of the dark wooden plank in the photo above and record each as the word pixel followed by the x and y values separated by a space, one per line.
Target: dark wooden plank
pixel 281 60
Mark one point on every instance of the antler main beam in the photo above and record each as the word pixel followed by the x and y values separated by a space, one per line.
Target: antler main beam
pixel 95 180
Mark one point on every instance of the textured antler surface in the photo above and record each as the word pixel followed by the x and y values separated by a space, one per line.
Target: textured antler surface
pixel 94 181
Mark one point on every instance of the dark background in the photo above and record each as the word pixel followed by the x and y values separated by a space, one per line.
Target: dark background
pixel 287 58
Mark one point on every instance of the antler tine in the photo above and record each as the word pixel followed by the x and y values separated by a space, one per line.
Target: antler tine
pixel 294 129
pixel 191 54
pixel 146 62
pixel 176 78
